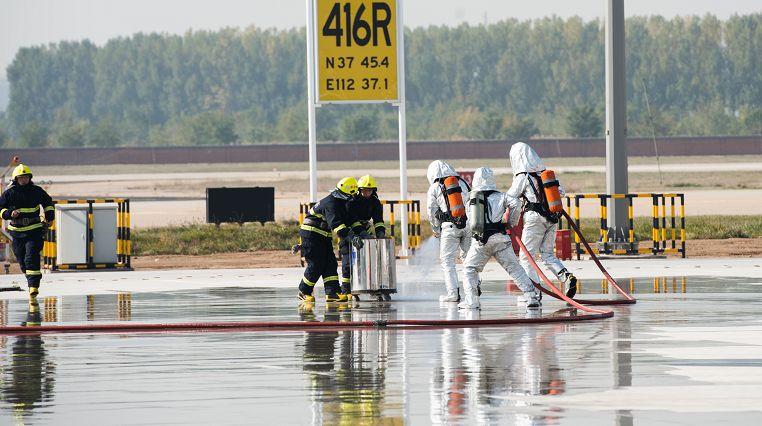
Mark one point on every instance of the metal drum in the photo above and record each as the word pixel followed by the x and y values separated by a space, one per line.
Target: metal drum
pixel 373 268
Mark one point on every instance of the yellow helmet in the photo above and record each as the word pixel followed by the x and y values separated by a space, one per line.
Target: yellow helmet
pixel 367 181
pixel 348 185
pixel 21 170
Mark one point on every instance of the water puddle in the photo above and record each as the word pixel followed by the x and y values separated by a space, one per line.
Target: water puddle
pixel 553 373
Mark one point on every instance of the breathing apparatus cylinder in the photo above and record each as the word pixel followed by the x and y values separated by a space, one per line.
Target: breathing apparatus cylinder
pixel 477 204
pixel 454 197
pixel 552 195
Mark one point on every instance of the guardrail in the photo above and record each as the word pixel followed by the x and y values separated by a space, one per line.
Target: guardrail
pixel 660 233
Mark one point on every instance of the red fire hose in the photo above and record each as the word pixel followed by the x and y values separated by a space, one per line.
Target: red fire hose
pixel 558 294
pixel 628 299
pixel 296 325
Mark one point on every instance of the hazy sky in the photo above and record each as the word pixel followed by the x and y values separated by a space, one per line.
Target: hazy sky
pixel 34 22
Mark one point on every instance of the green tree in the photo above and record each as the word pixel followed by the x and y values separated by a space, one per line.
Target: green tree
pixel 752 120
pixel 68 130
pixel 491 126
pixel 209 128
pixel 4 138
pixel 71 134
pixel 520 128
pixel 584 122
pixel 475 82
pixel 360 126
pixel 292 124
pixel 34 135
pixel 103 134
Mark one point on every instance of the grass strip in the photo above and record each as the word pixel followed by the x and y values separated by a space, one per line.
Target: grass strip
pixel 203 239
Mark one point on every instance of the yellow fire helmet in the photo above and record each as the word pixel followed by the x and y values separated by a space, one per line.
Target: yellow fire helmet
pixel 367 181
pixel 348 185
pixel 21 170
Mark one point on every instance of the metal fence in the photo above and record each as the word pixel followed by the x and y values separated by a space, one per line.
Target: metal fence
pixel 664 232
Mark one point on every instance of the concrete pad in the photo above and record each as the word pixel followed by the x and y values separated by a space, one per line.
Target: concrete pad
pixel 677 356
pixel 104 282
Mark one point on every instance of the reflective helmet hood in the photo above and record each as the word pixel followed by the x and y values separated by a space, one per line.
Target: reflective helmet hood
pixel 484 180
pixel 524 159
pixel 438 169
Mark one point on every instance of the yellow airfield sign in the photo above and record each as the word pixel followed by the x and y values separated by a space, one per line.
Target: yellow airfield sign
pixel 356 51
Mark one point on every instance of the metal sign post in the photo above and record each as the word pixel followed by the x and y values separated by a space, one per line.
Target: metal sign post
pixel 616 115
pixel 311 100
pixel 355 55
pixel 402 127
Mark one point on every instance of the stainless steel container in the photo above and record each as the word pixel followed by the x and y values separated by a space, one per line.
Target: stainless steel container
pixel 373 267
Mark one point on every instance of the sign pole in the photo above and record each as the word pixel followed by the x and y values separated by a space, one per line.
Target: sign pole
pixel 616 116
pixel 402 126
pixel 353 59
pixel 311 99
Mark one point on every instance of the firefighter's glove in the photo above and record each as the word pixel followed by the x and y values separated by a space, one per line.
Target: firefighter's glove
pixel 356 241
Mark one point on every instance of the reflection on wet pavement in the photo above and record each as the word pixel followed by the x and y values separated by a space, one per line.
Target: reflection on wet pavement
pixel 677 338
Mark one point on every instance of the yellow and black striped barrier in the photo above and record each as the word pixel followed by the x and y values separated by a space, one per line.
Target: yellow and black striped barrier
pixel 660 232
pixel 412 209
pixel 123 242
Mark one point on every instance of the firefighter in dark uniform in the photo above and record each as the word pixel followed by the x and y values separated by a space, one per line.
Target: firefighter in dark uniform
pixel 364 208
pixel 20 204
pixel 328 216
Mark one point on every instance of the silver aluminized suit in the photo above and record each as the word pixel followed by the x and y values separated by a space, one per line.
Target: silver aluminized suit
pixel 451 238
pixel 497 246
pixel 538 234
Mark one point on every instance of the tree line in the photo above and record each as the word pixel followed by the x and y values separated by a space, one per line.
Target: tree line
pixel 511 79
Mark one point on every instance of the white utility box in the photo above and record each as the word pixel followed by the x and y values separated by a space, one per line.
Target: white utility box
pixel 72 234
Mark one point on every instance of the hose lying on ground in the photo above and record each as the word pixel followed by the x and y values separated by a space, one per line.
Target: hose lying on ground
pixel 628 299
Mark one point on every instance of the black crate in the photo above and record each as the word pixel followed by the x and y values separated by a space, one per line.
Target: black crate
pixel 240 205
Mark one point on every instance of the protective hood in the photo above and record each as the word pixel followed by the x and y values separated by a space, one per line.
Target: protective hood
pixel 524 159
pixel 484 180
pixel 439 169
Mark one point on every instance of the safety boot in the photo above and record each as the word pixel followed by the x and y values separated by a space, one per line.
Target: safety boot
pixel 522 299
pixel 33 292
pixel 452 296
pixel 470 303
pixel 532 299
pixel 345 293
pixel 570 281
pixel 306 298
pixel 334 298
